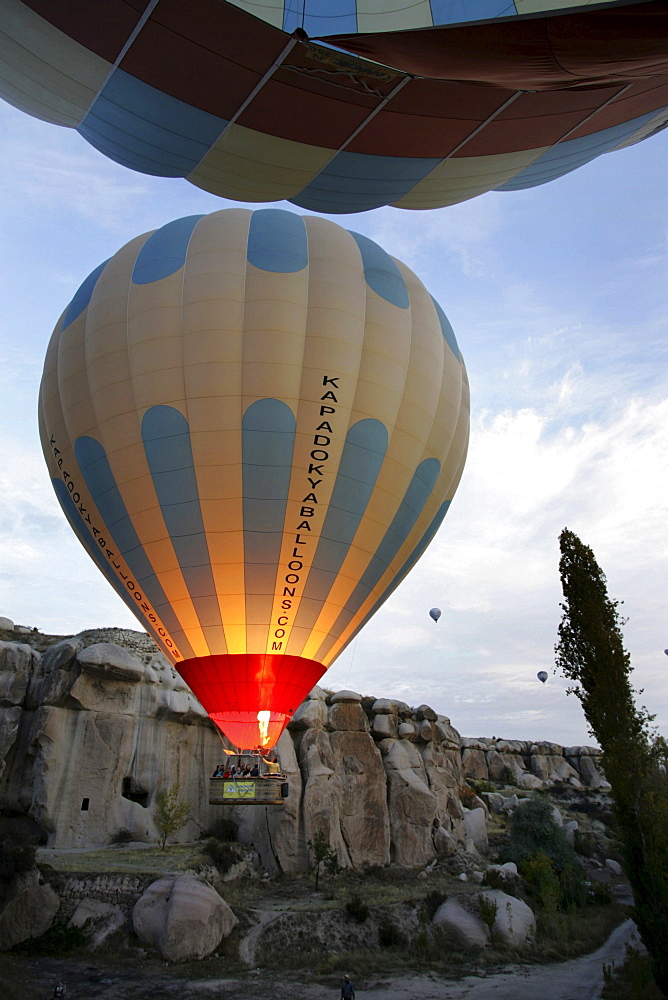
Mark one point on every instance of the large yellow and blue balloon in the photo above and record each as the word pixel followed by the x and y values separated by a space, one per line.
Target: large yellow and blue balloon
pixel 417 105
pixel 255 422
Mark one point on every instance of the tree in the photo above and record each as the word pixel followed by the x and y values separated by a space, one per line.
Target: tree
pixel 323 854
pixel 171 813
pixel 591 652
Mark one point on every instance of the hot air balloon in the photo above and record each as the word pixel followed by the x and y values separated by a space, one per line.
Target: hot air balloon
pixel 435 613
pixel 390 103
pixel 255 423
pixel 542 676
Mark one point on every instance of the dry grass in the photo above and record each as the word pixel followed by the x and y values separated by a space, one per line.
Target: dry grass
pixel 125 859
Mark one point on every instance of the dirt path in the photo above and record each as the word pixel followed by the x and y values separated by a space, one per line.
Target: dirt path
pixel 578 979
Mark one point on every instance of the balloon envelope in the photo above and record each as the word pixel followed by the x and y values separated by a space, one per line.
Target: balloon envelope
pixel 542 676
pixel 435 613
pixel 420 111
pixel 255 424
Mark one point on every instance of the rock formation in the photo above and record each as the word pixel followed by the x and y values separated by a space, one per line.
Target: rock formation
pixel 94 725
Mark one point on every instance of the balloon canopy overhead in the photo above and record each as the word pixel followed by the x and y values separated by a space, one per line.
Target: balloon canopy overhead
pixel 255 423
pixel 407 105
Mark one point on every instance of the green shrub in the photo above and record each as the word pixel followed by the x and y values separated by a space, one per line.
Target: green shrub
pixel 488 910
pixel 17 855
pixel 468 797
pixel 534 830
pixel 573 885
pixel 599 894
pixel 480 785
pixel 389 935
pixel 632 981
pixel 356 909
pixel 507 777
pixel 585 843
pixel 223 829
pixel 542 881
pixel 121 836
pixel 432 901
pixel 221 853
pixel 58 940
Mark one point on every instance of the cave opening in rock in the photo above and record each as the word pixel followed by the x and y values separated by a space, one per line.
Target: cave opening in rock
pixel 134 792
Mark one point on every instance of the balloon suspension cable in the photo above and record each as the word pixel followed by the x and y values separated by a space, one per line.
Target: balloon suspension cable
pixel 352 659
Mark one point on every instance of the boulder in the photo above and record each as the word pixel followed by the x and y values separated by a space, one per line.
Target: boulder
pixel 474 764
pixel 6 623
pixel 182 917
pixel 444 842
pixel 406 731
pixel 570 830
pixel 363 817
pixel 494 801
pixel 27 910
pixel 476 830
pixel 311 713
pixel 504 767
pixel 461 927
pixel 340 696
pixel 613 866
pixel 17 665
pixel 411 804
pixel 515 922
pixel 99 920
pixel 385 706
pixel 385 727
pixel 348 716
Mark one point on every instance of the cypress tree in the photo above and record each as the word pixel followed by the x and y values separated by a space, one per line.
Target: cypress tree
pixel 591 653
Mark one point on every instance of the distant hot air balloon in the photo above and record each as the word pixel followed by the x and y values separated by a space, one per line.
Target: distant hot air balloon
pixel 542 676
pixel 666 652
pixel 419 110
pixel 435 613
pixel 255 423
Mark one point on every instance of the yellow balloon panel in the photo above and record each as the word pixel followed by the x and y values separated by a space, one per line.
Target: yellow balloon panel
pixel 262 419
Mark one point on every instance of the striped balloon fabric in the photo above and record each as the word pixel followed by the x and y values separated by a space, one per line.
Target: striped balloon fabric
pixel 385 103
pixel 255 423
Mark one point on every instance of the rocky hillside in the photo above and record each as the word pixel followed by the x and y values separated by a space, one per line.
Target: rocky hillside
pixel 92 726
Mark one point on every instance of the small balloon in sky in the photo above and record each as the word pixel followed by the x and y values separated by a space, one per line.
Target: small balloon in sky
pixel 435 613
pixel 542 676
pixel 666 652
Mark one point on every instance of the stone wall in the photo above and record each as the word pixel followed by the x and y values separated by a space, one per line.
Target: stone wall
pixel 93 726
pixel 529 765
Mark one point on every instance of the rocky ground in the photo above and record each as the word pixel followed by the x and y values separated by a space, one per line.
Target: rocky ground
pixel 95 979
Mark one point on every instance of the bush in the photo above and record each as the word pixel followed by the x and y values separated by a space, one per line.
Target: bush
pixel 585 843
pixel 221 853
pixel 121 836
pixel 468 797
pixel 632 981
pixel 356 909
pixel 488 910
pixel 17 855
pixel 58 940
pixel 599 894
pixel 480 785
pixel 223 829
pixel 534 830
pixel 432 901
pixel 389 935
pixel 542 882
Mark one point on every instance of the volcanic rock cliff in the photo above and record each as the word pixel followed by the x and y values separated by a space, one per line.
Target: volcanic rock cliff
pixel 94 725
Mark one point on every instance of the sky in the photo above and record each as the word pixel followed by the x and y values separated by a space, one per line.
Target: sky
pixel 557 296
